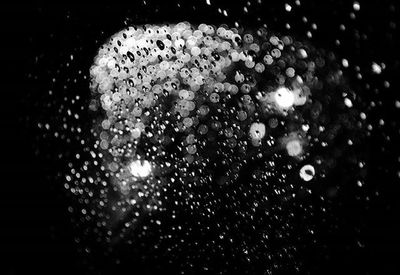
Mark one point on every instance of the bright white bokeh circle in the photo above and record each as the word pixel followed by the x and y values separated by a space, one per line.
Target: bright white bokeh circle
pixel 140 168
pixel 284 98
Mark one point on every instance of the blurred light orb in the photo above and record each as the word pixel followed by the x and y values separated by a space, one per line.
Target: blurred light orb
pixel 294 148
pixel 307 172
pixel 284 98
pixel 257 130
pixel 140 168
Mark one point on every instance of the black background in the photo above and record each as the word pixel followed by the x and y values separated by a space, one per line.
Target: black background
pixel 36 233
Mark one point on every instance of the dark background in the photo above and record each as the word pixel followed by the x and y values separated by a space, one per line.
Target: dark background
pixel 36 233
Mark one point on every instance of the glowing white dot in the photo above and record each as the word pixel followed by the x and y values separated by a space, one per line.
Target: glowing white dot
pixel 257 131
pixel 140 168
pixel 376 68
pixel 348 102
pixel 356 6
pixel 284 98
pixel 288 7
pixel 305 127
pixel 307 172
pixel 294 148
pixel 303 53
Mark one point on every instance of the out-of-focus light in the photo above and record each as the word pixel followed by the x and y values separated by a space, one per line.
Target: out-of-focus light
pixel 257 130
pixel 284 98
pixel 348 102
pixel 294 148
pixel 356 6
pixel 307 172
pixel 376 68
pixel 140 168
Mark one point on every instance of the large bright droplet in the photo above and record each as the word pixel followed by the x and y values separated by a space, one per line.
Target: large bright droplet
pixel 257 130
pixel 294 148
pixel 284 98
pixel 140 168
pixel 307 172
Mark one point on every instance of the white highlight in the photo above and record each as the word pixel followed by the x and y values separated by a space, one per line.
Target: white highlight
pixel 284 98
pixel 257 130
pixel 345 63
pixel 356 6
pixel 307 172
pixel 294 148
pixel 348 102
pixel 140 168
pixel 376 68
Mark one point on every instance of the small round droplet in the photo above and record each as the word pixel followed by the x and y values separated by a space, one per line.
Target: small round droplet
pixel 307 172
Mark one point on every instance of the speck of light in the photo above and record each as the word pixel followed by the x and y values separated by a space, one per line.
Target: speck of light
pixel 294 148
pixel 140 168
pixel 356 6
pixel 376 68
pixel 284 98
pixel 307 172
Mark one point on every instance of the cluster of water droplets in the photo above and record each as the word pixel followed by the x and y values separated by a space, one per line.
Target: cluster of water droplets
pixel 197 120
pixel 208 145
